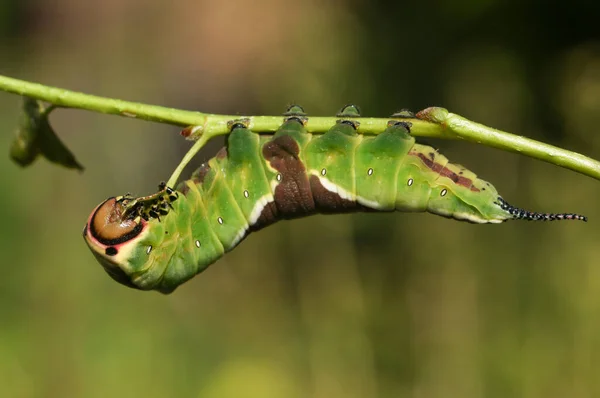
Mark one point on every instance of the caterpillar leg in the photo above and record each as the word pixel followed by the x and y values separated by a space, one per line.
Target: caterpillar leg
pixel 150 206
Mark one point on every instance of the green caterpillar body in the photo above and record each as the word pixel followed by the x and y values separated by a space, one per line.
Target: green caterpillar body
pixel 159 242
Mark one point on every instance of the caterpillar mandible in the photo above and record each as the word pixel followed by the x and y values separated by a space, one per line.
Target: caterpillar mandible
pixel 158 242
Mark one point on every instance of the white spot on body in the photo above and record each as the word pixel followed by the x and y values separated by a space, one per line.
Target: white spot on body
pixel 444 192
pixel 410 182
pixel 246 194
pixel 370 171
pixel 220 220
pixel 278 177
pixel 323 172
pixel 197 243
pixel 149 249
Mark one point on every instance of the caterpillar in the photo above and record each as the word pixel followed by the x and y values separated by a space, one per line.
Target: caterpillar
pixel 158 242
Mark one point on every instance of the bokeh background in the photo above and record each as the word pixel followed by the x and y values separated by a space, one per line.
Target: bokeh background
pixel 377 305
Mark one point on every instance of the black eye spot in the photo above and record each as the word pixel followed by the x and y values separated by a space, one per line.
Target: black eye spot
pixel 111 251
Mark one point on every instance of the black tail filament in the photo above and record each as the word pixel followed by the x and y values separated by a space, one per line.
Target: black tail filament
pixel 521 214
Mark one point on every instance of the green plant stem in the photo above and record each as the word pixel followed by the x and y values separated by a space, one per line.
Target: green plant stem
pixel 431 122
pixel 71 99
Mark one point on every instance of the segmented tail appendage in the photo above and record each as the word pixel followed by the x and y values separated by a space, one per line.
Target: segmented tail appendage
pixel 521 214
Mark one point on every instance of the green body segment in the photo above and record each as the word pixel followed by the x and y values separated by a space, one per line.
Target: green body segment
pixel 224 214
pixel 330 157
pixel 244 173
pixel 379 161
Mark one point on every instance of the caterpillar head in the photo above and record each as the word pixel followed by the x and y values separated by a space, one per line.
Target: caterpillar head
pixel 111 236
pixel 118 233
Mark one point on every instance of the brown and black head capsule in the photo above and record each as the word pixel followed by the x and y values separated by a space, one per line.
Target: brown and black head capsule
pixel 107 231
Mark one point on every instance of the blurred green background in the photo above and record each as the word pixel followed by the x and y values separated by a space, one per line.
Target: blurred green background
pixel 377 305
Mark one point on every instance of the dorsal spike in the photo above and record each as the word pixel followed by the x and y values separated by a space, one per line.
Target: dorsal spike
pixel 349 110
pixel 521 214
pixel 404 113
pixel 294 110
